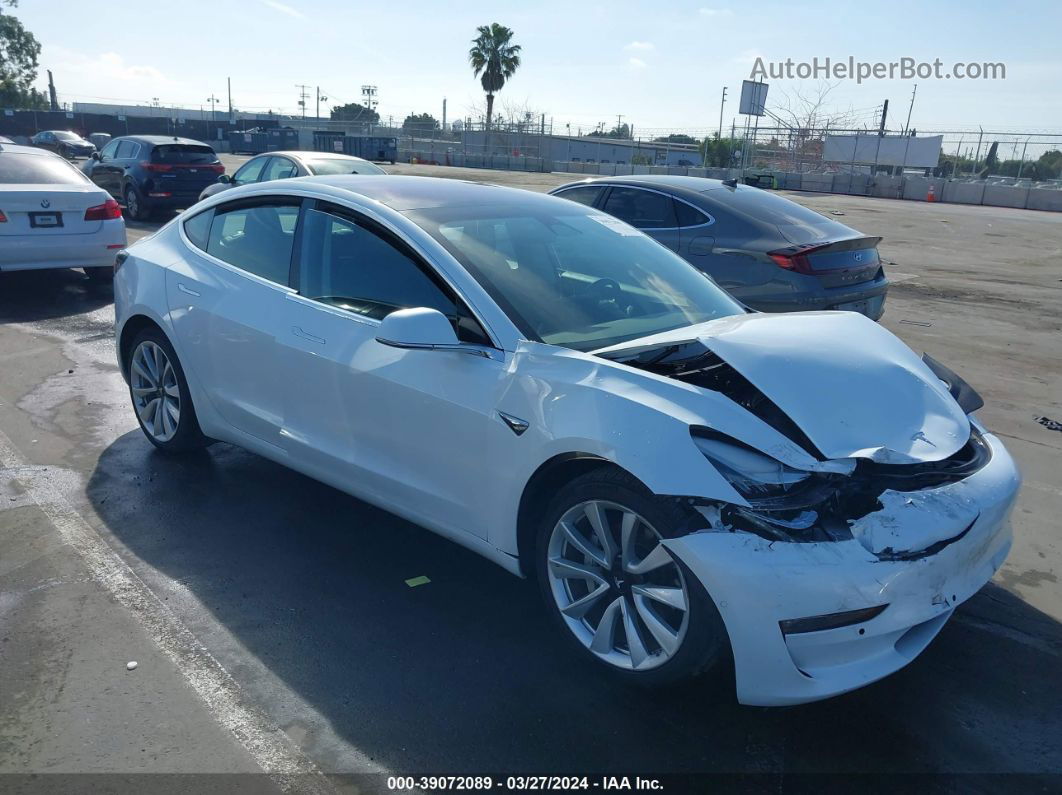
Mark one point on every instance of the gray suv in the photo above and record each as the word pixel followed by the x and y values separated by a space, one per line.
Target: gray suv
pixel 771 253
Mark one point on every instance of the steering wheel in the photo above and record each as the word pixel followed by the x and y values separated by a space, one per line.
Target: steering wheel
pixel 606 289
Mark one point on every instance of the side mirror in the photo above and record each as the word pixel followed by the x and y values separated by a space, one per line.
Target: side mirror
pixel 224 179
pixel 95 155
pixel 420 327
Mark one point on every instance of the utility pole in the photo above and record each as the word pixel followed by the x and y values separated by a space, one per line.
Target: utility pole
pixel 52 99
pixel 721 104
pixel 910 108
pixel 619 121
pixel 884 113
pixel 320 96
pixel 213 104
pixel 230 99
pixel 444 114
pixel 303 94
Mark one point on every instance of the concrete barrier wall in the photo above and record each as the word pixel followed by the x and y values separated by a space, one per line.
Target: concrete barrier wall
pixel 822 183
pixel 1045 199
pixel 964 192
pixel 1005 196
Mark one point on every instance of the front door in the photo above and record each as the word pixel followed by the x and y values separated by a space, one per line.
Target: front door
pixel 398 426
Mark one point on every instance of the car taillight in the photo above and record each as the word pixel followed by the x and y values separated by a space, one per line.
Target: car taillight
pixel 217 168
pixel 3 218
pixel 155 168
pixel 796 261
pixel 107 211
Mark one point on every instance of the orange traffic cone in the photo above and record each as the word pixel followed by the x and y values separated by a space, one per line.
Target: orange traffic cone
pixel 932 195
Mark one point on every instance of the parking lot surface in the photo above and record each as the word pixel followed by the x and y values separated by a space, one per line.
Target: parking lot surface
pixel 273 627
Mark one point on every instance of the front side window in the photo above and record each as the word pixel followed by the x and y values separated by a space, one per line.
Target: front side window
pixel 353 266
pixel 125 150
pixel 109 150
pixel 585 195
pixel 250 171
pixel 574 277
pixel 643 209
pixel 257 238
pixel 279 168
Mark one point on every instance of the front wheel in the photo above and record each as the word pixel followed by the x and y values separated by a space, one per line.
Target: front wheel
pixel 159 390
pixel 614 588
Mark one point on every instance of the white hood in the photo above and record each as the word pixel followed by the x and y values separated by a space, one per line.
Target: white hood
pixel 849 384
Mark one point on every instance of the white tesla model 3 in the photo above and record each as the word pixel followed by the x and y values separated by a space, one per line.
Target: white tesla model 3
pixel 686 479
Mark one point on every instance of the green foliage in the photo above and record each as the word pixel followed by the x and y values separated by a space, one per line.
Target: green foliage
pixel 420 123
pixel 19 50
pixel 354 111
pixel 718 152
pixel 677 138
pixel 622 131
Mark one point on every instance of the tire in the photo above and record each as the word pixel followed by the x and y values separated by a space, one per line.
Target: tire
pixel 171 434
pixel 696 638
pixel 101 275
pixel 134 204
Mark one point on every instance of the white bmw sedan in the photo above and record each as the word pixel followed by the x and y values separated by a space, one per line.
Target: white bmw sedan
pixel 53 216
pixel 686 480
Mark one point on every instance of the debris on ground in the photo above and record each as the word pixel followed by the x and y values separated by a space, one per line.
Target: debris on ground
pixel 1051 425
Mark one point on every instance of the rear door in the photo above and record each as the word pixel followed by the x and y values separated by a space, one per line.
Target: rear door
pixel 651 211
pixel 226 299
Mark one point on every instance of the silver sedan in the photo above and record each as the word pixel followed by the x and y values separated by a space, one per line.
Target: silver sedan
pixel 283 165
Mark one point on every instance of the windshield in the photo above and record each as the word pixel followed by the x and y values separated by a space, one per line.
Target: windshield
pixel 183 153
pixel 340 165
pixel 575 278
pixel 19 169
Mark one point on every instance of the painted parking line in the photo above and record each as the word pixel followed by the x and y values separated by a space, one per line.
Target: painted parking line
pixel 290 770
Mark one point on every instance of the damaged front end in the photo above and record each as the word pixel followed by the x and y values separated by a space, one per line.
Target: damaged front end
pixel 836 502
pixel 870 419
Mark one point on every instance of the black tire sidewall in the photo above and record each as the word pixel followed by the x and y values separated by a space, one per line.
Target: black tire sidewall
pixel 140 212
pixel 188 436
pixel 706 642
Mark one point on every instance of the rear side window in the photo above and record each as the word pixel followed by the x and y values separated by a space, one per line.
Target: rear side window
pixel 689 216
pixel 256 238
pixel 20 169
pixel 642 209
pixel 587 195
pixel 198 228
pixel 188 154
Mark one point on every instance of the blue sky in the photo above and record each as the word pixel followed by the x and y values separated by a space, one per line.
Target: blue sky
pixel 660 65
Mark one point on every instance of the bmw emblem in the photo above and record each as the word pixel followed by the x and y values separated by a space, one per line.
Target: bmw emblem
pixel 45 204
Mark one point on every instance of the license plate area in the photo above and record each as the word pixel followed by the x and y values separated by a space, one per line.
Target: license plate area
pixel 45 220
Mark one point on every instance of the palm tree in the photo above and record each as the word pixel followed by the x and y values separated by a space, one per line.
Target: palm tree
pixel 495 57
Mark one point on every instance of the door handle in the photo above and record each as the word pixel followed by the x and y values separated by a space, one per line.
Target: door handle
pixel 298 332
pixel 184 289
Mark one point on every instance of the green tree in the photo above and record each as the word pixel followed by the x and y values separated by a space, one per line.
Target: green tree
pixel 420 123
pixel 353 111
pixel 676 138
pixel 19 50
pixel 718 152
pixel 494 59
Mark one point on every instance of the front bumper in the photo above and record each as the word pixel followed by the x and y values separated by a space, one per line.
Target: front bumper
pixel 757 583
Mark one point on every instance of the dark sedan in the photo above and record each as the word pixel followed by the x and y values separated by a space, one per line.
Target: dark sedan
pixel 769 252
pixel 147 173
pixel 63 142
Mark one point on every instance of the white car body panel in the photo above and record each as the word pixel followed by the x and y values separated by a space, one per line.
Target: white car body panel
pixel 76 243
pixel 419 433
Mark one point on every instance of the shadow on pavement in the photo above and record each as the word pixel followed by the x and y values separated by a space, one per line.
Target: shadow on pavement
pixel 466 675
pixel 47 294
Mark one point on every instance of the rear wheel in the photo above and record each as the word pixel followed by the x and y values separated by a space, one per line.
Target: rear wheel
pixel 134 204
pixel 159 391
pixel 616 591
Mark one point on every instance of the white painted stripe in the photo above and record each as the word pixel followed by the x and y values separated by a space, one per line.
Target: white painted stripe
pixel 896 276
pixel 270 748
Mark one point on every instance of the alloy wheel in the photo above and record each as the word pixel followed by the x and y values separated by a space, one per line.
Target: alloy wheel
pixel 619 591
pixel 132 203
pixel 156 394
